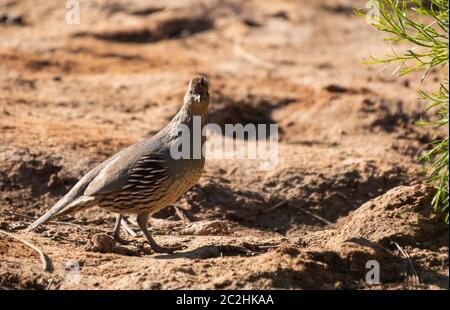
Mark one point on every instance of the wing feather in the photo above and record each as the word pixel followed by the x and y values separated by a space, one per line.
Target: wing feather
pixel 117 174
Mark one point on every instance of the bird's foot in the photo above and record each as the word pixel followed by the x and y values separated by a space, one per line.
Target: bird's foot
pixel 122 241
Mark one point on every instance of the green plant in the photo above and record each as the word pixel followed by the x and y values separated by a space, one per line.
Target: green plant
pixel 424 25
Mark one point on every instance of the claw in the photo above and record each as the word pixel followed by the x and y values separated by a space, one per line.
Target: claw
pixel 116 233
pixel 122 241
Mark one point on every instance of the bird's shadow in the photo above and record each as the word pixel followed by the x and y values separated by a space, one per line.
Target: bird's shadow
pixel 211 251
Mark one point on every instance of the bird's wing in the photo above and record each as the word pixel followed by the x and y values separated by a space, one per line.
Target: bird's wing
pixel 110 175
pixel 120 170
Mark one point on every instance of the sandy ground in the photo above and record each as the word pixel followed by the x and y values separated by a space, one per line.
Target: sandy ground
pixel 347 188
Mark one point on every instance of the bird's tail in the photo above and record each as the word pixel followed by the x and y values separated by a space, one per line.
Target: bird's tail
pixel 64 206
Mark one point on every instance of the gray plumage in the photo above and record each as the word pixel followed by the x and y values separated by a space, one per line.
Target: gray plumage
pixel 142 178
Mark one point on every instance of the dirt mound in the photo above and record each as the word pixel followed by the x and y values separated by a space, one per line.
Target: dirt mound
pixel 381 229
pixel 402 215
pixel 288 268
pixel 21 170
pixel 338 258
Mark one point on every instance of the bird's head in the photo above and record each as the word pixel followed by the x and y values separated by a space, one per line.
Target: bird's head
pixel 197 98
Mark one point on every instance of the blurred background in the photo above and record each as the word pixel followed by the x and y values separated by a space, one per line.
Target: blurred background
pixel 72 94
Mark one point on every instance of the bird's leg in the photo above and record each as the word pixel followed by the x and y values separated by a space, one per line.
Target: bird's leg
pixel 116 233
pixel 142 220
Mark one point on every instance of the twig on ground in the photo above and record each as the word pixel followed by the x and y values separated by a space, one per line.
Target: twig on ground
pixel 46 262
pixel 180 214
pixel 9 262
pixel 130 231
pixel 413 278
pixel 132 223
pixel 263 247
pixel 231 172
pixel 275 206
pixel 368 243
pixel 18 214
pixel 318 217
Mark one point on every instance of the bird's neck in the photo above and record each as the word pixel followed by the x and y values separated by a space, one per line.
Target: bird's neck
pixel 194 120
pixel 188 112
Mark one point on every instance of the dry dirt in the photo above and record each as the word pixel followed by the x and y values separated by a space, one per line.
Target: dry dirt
pixel 347 188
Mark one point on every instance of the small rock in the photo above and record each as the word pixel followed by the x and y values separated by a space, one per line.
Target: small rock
pixel 7 19
pixel 333 88
pixel 4 225
pixel 205 228
pixel 101 243
pixel 204 252
pixel 281 14
pixel 221 283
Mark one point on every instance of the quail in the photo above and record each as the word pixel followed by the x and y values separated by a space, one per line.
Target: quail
pixel 142 178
